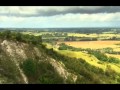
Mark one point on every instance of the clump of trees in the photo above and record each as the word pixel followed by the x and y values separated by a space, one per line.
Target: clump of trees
pixel 109 50
pixel 17 36
pixel 63 46
pixel 55 34
pixel 101 56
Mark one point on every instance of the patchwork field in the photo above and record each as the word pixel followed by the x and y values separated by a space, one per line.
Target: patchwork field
pixel 35 33
pixel 82 35
pixel 93 44
pixel 94 35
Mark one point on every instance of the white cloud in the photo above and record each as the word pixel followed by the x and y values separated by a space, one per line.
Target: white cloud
pixel 59 19
pixel 11 19
pixel 17 10
pixel 90 7
pixel 100 17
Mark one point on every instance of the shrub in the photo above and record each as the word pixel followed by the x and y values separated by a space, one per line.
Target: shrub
pixel 40 72
pixel 29 67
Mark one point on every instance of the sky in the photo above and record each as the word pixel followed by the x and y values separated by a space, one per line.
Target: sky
pixel 59 16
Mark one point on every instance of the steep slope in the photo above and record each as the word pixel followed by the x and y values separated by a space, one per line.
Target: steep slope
pixel 14 54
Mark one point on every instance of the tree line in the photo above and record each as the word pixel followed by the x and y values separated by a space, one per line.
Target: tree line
pixel 17 36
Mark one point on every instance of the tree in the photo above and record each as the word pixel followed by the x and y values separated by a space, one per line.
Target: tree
pixel 19 37
pixel 29 67
pixel 6 34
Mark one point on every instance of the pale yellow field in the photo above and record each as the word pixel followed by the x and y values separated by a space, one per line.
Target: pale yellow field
pixel 93 44
pixel 36 34
pixel 109 35
pixel 104 35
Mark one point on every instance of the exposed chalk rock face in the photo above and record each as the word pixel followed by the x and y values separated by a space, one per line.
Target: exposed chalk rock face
pixel 60 68
pixel 12 48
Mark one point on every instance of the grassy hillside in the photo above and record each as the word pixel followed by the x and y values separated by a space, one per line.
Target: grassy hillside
pixel 25 59
pixel 89 68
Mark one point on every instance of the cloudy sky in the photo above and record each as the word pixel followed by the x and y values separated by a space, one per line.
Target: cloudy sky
pixel 59 16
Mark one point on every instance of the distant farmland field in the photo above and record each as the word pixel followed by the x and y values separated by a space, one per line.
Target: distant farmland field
pixel 93 44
